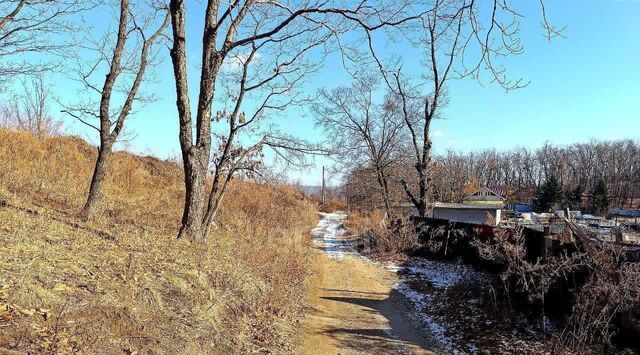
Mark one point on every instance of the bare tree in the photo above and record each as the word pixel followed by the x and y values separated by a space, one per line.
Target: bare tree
pixel 242 31
pixel 256 83
pixel 458 44
pixel 29 110
pixel 132 54
pixel 363 133
pixel 33 26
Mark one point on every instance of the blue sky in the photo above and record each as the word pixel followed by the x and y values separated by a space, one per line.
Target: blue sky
pixel 584 86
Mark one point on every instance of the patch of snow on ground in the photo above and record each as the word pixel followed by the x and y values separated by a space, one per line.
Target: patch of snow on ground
pixel 422 301
pixel 328 236
pixel 439 275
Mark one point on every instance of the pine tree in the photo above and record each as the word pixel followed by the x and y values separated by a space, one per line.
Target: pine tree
pixel 549 195
pixel 573 197
pixel 600 198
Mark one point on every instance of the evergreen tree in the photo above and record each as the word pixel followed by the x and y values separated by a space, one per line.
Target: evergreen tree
pixel 600 198
pixel 549 195
pixel 573 197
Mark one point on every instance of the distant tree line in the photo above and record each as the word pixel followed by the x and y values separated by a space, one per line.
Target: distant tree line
pixel 577 169
pixel 591 176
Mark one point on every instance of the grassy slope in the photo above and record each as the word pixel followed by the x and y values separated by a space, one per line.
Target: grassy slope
pixel 122 283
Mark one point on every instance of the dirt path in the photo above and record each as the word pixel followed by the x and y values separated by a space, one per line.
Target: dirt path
pixel 355 310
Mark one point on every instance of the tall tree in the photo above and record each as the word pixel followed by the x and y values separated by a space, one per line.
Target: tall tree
pixel 460 41
pixel 137 31
pixel 573 197
pixel 549 195
pixel 244 29
pixel 363 133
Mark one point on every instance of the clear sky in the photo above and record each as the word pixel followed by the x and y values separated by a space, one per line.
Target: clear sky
pixel 584 86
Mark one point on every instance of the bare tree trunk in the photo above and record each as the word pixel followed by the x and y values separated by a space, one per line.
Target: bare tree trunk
pixel 423 199
pixel 195 177
pixel 99 172
pixel 215 201
pixel 423 169
pixel 195 156
pixel 382 181
pixel 109 135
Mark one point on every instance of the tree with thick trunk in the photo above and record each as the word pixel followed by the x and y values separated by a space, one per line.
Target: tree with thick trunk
pixel 267 43
pixel 111 123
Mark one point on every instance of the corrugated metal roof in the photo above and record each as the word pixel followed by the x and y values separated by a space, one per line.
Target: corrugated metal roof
pixel 499 190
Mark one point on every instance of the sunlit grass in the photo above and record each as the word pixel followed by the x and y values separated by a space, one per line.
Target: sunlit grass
pixel 65 286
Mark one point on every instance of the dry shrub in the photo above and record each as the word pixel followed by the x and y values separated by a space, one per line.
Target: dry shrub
pixel 397 241
pixel 334 205
pixel 610 288
pixel 530 278
pixel 380 238
pixel 361 222
pixel 66 286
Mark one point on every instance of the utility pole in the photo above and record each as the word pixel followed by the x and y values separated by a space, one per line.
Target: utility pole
pixel 323 192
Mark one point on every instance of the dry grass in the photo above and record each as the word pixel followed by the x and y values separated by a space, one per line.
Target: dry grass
pixel 361 222
pixel 382 239
pixel 123 283
pixel 334 205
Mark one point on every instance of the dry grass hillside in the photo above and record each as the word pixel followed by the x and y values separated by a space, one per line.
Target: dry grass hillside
pixel 122 283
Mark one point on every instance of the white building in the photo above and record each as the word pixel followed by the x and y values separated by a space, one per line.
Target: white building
pixel 467 213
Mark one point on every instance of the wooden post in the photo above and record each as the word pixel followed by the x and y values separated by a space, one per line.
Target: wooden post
pixel 323 192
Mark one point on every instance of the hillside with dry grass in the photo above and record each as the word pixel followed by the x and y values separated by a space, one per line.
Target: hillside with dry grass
pixel 122 283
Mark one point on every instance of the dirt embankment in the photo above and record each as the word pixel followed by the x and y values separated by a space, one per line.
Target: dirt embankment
pixel 122 283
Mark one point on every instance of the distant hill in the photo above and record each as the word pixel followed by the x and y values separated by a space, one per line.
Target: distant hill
pixel 315 191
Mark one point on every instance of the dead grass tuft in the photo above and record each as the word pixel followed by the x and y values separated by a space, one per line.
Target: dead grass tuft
pixel 360 222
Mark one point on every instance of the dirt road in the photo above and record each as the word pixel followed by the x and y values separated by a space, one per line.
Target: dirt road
pixel 355 310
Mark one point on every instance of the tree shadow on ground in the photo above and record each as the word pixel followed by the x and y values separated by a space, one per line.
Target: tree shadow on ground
pixel 403 333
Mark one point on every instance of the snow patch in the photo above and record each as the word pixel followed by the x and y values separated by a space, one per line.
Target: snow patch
pixel 439 275
pixel 422 301
pixel 328 236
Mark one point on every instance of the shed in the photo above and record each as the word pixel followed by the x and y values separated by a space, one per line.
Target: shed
pixel 483 214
